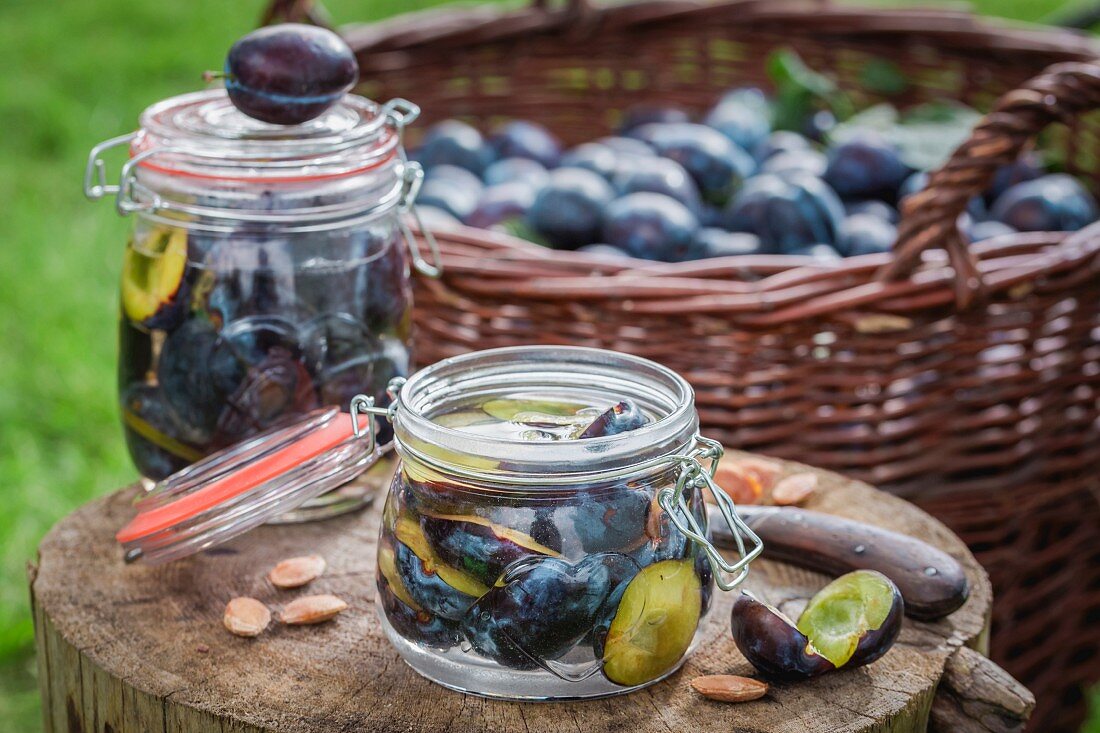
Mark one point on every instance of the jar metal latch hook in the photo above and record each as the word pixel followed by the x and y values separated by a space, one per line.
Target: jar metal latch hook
pixel 364 405
pixel 693 475
pixel 95 172
pixel 402 112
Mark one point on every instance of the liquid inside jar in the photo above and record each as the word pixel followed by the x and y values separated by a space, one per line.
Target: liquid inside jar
pixel 549 592
pixel 224 334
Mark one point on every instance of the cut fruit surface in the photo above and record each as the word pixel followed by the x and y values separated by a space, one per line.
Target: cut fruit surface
pixel 654 624
pixel 152 272
pixel 847 612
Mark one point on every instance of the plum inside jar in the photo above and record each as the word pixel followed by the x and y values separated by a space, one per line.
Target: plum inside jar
pixel 581 589
pixel 227 334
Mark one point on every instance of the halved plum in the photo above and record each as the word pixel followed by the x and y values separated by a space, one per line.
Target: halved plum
pixel 507 409
pixel 849 623
pixel 654 623
pixel 621 417
pixel 404 613
pixel 477 546
pixel 420 626
pixel 431 583
pixel 153 286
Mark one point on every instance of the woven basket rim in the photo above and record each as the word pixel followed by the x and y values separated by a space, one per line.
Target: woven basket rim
pixel 789 287
pixel 466 25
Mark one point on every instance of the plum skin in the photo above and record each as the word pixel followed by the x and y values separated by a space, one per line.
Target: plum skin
pixel 290 73
pixel 779 648
pixel 476 546
pixel 772 644
pixel 538 611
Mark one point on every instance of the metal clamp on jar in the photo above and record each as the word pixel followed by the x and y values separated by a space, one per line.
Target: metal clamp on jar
pixel 267 273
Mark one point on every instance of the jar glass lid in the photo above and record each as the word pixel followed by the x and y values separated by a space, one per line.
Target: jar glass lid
pixel 245 485
pixel 203 134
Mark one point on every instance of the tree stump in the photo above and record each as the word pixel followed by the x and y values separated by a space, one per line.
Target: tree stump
pixel 137 648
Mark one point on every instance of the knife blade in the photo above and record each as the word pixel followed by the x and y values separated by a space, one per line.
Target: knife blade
pixel 932 583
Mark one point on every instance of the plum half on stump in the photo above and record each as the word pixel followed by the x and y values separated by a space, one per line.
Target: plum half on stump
pixel 290 73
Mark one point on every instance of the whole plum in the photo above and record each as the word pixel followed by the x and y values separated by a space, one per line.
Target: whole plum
pixel 862 234
pixel 866 167
pixel 289 73
pixel 603 249
pixel 538 611
pixel 808 161
pixel 501 203
pixel 453 189
pixel 659 175
pixel 1025 168
pixel 569 210
pixel 453 142
pixel 716 242
pixel 717 164
pixel 787 212
pixel 781 141
pixel 194 382
pixel 873 207
pixel 524 139
pixel 595 157
pixel 651 226
pixel 742 115
pixel 819 252
pixel 645 114
pixel 982 230
pixel 1052 203
pixel 525 170
pixel 627 145
pixel 609 519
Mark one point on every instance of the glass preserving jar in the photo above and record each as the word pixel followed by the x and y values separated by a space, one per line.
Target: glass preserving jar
pixel 519 558
pixel 267 273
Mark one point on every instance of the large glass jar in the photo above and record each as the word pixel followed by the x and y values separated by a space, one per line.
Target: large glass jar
pixel 267 272
pixel 538 565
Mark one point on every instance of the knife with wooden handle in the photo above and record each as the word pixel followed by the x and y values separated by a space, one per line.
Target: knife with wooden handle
pixel 931 582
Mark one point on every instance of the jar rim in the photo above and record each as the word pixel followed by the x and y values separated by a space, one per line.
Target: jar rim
pixel 511 461
pixel 202 135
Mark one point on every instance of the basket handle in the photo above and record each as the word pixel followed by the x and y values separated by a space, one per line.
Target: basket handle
pixel 930 217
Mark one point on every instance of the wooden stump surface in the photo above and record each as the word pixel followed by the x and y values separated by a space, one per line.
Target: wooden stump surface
pixel 142 648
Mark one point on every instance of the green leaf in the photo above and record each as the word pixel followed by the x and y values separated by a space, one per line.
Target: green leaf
pixel 800 91
pixel 925 135
pixel 883 77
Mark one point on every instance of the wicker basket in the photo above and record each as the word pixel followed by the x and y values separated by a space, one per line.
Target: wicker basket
pixel 965 379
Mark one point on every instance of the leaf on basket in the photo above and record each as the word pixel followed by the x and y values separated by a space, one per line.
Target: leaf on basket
pixel 800 91
pixel 925 136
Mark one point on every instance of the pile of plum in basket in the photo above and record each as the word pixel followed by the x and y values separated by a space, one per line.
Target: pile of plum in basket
pixel 798 173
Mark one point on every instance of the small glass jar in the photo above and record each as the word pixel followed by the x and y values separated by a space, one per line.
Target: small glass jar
pixel 549 569
pixel 267 272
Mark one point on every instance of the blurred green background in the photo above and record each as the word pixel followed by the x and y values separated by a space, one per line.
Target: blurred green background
pixel 76 72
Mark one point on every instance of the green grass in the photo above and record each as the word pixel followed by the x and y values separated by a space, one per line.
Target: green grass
pixel 77 72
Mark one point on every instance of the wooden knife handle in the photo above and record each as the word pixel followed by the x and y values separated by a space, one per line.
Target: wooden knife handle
pixel 931 582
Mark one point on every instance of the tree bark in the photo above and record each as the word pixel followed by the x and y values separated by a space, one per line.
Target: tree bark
pixel 141 648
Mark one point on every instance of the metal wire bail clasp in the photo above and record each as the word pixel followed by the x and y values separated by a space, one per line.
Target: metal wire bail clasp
pixel 95 172
pixel 402 112
pixel 694 475
pixel 362 404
